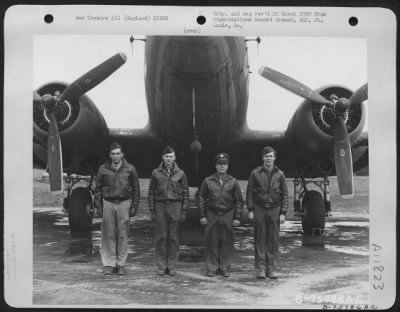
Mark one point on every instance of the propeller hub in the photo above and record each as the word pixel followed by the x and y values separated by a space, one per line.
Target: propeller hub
pixel 341 106
pixel 63 113
pixel 49 102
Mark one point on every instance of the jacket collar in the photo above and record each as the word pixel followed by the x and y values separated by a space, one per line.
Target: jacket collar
pixel 262 168
pixel 227 177
pixel 109 165
pixel 175 167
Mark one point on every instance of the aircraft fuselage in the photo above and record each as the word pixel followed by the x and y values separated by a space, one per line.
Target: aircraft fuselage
pixel 196 87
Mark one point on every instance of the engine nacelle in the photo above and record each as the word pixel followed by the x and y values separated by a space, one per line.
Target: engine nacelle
pixel 83 131
pixel 311 130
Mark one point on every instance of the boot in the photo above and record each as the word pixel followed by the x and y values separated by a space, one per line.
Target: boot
pixel 121 270
pixel 107 270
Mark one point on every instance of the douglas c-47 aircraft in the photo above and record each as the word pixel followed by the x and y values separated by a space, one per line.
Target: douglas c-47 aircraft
pixel 197 92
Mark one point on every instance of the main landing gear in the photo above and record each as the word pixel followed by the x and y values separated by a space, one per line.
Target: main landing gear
pixel 78 202
pixel 311 205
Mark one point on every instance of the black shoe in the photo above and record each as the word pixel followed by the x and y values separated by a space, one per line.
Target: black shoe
pixel 107 270
pixel 161 272
pixel 172 272
pixel 260 275
pixel 225 273
pixel 272 275
pixel 121 270
pixel 114 270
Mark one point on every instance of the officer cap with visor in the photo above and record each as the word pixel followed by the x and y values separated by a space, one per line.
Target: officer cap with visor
pixel 221 158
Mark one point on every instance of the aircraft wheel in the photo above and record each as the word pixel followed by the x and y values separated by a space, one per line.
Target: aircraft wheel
pixel 80 210
pixel 314 213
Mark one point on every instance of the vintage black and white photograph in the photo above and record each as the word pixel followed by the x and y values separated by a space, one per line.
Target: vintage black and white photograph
pixel 201 171
pixel 203 101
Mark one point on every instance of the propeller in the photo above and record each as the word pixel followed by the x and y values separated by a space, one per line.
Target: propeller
pixel 360 95
pixel 54 155
pixel 292 85
pixel 343 159
pixel 50 103
pixel 339 106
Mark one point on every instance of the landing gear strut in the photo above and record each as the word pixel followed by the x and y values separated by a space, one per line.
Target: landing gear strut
pixel 311 205
pixel 78 202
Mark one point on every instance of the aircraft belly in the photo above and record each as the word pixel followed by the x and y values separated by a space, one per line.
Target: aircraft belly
pixel 194 104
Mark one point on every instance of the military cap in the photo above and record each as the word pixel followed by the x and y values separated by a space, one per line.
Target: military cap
pixel 168 150
pixel 266 150
pixel 221 158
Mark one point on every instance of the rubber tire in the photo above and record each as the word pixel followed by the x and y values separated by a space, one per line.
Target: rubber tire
pixel 80 207
pixel 314 213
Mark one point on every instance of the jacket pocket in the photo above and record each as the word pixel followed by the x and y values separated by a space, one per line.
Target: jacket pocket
pixel 276 196
pixel 176 189
pixel 260 194
pixel 159 191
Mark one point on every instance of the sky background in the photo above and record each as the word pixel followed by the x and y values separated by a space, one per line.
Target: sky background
pixel 314 61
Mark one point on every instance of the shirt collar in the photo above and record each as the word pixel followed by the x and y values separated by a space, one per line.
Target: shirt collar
pixel 216 177
pixel 174 167
pixel 111 165
pixel 274 168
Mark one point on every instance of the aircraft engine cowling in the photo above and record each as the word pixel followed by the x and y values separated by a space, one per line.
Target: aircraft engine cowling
pixel 83 131
pixel 310 133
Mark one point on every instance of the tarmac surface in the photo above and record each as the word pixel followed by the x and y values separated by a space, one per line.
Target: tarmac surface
pixel 329 269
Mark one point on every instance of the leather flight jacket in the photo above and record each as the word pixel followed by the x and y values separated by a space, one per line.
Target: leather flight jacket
pixel 116 185
pixel 168 187
pixel 220 198
pixel 265 192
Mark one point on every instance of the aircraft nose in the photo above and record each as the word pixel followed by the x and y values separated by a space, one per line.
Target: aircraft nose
pixel 194 40
pixel 198 54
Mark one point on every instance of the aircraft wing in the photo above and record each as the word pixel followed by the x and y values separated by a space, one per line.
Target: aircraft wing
pixel 294 160
pixel 246 151
pixel 85 150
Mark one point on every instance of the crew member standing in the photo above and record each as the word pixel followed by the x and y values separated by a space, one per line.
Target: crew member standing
pixel 221 204
pixel 168 202
pixel 116 199
pixel 267 201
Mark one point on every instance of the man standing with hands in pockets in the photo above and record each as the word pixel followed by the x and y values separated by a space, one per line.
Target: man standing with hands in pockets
pixel 267 202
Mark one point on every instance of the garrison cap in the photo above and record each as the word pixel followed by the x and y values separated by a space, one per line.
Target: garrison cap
pixel 221 158
pixel 266 150
pixel 168 150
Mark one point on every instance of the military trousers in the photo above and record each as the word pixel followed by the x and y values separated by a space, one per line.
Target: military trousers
pixel 114 233
pixel 166 231
pixel 266 237
pixel 219 241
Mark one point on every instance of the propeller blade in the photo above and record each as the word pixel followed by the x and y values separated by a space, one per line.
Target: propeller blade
pixel 292 85
pixel 360 95
pixel 54 156
pixel 37 100
pixel 343 159
pixel 93 77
